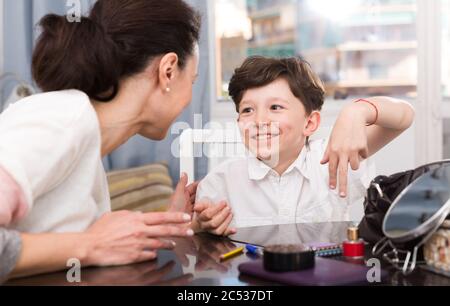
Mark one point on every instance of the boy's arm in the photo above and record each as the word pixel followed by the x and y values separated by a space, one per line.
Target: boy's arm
pixel 361 130
pixel 394 117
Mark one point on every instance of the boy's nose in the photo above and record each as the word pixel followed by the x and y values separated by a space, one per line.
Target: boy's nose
pixel 263 126
pixel 262 119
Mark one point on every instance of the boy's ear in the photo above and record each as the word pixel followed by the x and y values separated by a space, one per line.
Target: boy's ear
pixel 312 124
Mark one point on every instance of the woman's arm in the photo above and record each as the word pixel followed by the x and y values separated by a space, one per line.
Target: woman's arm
pixel 10 246
pixel 116 239
pixel 44 253
pixel 13 205
pixel 352 140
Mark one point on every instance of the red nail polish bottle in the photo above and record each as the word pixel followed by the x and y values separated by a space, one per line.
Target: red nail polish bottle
pixel 354 247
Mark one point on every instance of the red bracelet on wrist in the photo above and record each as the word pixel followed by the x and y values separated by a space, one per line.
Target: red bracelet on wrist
pixel 374 106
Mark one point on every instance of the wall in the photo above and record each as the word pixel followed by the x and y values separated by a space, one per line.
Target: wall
pixel 1 36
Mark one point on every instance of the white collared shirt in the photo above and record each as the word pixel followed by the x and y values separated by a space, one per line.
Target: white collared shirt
pixel 259 196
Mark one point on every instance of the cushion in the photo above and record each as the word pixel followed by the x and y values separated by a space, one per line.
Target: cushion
pixel 145 189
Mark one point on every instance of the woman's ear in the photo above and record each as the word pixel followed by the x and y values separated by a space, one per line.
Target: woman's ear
pixel 168 67
pixel 312 124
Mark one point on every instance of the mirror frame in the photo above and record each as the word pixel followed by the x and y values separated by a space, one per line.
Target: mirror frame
pixel 428 225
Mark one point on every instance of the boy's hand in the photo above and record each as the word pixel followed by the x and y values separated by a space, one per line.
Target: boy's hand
pixel 362 129
pixel 348 144
pixel 214 219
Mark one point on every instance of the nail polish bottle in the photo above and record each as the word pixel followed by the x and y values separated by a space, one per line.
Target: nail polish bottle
pixel 354 247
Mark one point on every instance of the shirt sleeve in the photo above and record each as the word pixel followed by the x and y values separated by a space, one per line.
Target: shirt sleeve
pixel 39 147
pixel 13 205
pixel 10 248
pixel 212 187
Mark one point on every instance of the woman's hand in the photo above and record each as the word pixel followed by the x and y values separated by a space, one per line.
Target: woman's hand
pixel 183 199
pixel 348 145
pixel 214 219
pixel 123 238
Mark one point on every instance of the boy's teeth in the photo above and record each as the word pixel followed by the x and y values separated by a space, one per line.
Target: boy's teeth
pixel 265 136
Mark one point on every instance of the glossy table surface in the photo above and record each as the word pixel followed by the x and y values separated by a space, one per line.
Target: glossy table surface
pixel 196 261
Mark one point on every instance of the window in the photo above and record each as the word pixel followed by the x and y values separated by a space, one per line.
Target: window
pixel 446 50
pixel 357 47
pixel 446 73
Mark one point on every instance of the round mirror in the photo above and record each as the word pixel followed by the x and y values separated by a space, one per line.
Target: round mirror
pixel 420 207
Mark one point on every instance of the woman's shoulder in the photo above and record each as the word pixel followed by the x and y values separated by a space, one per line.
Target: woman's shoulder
pixel 70 101
pixel 67 108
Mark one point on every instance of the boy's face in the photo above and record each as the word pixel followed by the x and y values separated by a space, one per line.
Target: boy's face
pixel 273 122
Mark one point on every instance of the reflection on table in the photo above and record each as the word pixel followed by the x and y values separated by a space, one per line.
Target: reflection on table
pixel 196 261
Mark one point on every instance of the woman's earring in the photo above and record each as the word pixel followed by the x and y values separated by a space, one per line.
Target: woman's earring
pixel 167 89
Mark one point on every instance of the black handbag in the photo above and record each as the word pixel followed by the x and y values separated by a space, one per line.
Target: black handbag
pixel 381 194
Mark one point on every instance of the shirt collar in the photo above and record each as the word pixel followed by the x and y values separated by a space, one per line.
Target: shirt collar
pixel 257 170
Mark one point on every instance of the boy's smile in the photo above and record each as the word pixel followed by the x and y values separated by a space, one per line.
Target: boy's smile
pixel 263 133
pixel 273 124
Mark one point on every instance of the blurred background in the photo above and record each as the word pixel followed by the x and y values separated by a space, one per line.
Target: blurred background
pixel 359 48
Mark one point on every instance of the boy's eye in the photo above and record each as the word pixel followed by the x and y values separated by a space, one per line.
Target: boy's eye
pixel 246 110
pixel 276 107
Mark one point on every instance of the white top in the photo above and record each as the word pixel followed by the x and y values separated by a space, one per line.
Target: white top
pixel 259 196
pixel 51 145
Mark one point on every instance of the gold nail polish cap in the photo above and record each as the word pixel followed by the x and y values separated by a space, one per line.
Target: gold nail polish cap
pixel 353 234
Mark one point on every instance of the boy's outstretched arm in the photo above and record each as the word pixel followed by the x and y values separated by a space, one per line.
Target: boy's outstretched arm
pixel 362 129
pixel 394 117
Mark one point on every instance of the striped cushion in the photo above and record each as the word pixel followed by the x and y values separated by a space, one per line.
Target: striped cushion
pixel 146 189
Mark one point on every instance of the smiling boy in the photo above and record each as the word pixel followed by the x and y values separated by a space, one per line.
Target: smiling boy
pixel 285 178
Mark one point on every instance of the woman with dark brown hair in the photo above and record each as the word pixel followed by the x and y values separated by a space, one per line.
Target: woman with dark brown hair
pixel 127 69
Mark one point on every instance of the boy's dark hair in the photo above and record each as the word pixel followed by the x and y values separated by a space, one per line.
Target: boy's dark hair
pixel 259 71
pixel 117 40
